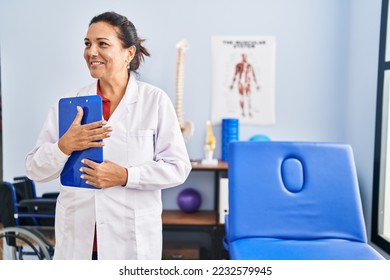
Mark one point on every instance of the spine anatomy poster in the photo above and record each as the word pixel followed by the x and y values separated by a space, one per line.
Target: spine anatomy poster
pixel 243 79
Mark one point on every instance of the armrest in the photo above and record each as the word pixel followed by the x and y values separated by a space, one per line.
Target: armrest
pixel 38 206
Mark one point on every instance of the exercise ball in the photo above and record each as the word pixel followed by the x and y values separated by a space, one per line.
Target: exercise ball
pixel 259 137
pixel 189 200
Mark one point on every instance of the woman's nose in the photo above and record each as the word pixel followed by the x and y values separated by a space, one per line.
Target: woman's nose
pixel 92 51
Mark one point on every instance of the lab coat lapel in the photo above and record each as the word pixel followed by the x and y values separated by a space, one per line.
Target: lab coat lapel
pixel 131 96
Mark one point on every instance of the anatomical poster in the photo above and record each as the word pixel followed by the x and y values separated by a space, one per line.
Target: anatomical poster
pixel 243 79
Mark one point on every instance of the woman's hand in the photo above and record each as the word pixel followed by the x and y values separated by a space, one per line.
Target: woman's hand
pixel 80 137
pixel 103 175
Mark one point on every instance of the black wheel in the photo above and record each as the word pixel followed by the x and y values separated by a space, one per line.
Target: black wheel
pixel 19 243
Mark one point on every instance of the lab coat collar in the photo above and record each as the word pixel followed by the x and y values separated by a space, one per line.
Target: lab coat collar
pixel 132 93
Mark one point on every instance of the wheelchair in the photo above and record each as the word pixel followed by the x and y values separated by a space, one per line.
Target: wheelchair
pixel 28 221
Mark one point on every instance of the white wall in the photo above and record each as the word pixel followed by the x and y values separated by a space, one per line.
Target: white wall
pixel 326 65
pixel 362 90
pixel 363 57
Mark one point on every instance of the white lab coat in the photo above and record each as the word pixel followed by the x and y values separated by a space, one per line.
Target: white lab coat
pixel 147 140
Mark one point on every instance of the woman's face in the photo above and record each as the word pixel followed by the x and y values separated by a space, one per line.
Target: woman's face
pixel 105 56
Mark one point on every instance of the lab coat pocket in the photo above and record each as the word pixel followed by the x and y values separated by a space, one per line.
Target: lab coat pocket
pixel 149 233
pixel 141 146
pixel 59 223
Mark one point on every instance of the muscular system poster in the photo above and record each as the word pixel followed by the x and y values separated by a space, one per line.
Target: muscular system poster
pixel 243 79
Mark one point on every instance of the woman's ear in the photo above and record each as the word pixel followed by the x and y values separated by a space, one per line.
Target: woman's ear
pixel 132 50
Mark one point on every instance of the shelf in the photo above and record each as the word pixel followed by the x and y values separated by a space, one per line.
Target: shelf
pixel 200 218
pixel 201 221
pixel 197 165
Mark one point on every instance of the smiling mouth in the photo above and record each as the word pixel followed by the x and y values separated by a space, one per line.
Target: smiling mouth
pixel 95 63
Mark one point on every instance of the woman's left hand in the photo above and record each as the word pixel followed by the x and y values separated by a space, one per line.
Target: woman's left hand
pixel 103 175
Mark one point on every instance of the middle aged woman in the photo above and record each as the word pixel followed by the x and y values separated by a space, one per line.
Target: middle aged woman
pixel 144 152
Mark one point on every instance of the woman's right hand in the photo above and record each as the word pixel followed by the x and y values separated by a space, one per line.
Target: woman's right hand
pixel 80 137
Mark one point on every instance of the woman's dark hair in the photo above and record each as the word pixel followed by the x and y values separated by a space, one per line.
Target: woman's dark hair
pixel 127 34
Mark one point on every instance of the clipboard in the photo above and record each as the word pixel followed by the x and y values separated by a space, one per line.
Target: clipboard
pixel 67 111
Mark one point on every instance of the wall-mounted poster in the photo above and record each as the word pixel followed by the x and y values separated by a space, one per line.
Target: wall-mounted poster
pixel 243 82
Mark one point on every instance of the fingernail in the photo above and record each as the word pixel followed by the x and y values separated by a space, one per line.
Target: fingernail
pixel 82 176
pixel 104 122
pixel 82 161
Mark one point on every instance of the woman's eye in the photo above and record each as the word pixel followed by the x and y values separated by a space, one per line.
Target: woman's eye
pixel 103 44
pixel 87 44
